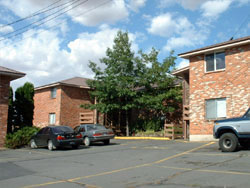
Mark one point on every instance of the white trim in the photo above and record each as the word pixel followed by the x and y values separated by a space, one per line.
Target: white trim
pixel 180 70
pixel 201 138
pixel 60 84
pixel 213 49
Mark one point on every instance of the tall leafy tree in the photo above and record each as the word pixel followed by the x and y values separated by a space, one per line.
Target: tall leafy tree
pixel 114 86
pixel 10 112
pixel 24 105
pixel 161 96
pixel 134 82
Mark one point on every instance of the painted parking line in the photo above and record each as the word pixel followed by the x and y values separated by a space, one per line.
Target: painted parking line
pixel 207 171
pixel 122 169
pixel 183 153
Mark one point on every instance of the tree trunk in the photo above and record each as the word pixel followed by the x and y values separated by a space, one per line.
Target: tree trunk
pixel 127 127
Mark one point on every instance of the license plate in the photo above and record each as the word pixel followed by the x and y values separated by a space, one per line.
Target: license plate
pixel 72 143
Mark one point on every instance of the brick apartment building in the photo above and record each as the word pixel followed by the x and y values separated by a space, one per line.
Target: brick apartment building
pixel 216 85
pixel 6 76
pixel 59 103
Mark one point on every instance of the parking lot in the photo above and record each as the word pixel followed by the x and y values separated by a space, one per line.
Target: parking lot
pixel 128 164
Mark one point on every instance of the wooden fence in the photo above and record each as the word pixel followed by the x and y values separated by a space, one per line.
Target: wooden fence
pixel 173 131
pixel 87 117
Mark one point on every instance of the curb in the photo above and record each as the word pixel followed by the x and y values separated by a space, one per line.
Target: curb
pixel 139 138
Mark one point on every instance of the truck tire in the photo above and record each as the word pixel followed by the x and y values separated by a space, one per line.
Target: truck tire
pixel 228 142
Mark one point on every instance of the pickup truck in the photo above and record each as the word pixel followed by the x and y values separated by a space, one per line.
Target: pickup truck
pixel 232 132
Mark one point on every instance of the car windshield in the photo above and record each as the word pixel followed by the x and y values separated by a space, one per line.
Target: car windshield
pixel 95 127
pixel 59 130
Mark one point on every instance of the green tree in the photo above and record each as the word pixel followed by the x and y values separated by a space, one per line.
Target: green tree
pixel 114 86
pixel 10 112
pixel 160 98
pixel 134 82
pixel 24 105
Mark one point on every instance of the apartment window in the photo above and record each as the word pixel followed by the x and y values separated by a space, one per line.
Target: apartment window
pixel 52 118
pixel 53 92
pixel 215 61
pixel 216 108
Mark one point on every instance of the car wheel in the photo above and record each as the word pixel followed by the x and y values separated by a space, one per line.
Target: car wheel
pixel 86 141
pixel 75 146
pixel 106 142
pixel 33 144
pixel 228 142
pixel 51 146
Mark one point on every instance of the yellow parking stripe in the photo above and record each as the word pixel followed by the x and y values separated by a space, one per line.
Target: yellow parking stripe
pixel 122 169
pixel 209 171
pixel 183 153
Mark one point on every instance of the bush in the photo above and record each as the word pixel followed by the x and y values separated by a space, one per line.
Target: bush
pixel 148 124
pixel 20 138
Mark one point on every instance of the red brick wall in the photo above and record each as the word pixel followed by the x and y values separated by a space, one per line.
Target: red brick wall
pixel 232 83
pixel 44 105
pixel 72 98
pixel 4 99
pixel 66 105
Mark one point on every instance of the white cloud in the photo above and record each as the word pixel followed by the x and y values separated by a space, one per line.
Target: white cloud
pixel 186 4
pixel 166 25
pixel 213 9
pixel 188 38
pixel 183 63
pixel 5 29
pixel 43 61
pixel 136 4
pixel 179 30
pixel 110 12
pixel 89 13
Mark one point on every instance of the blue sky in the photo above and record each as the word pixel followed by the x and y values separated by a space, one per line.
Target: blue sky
pixel 62 47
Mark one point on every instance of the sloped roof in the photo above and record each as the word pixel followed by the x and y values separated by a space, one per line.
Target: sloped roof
pixel 10 72
pixel 73 82
pixel 219 46
pixel 181 71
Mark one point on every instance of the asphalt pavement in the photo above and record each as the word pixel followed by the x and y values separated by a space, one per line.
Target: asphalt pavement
pixel 128 164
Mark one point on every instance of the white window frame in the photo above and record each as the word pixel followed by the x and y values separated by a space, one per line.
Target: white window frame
pixel 218 103
pixel 215 68
pixel 52 118
pixel 53 92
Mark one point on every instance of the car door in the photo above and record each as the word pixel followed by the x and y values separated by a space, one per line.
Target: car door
pixel 244 123
pixel 46 136
pixel 82 130
pixel 39 137
pixel 42 137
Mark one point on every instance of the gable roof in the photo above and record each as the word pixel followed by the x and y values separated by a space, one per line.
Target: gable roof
pixel 181 71
pixel 219 46
pixel 10 72
pixel 73 82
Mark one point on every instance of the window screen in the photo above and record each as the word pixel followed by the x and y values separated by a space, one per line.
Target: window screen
pixel 52 118
pixel 216 108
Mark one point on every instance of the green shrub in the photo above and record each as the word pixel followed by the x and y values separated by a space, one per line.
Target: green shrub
pixel 148 124
pixel 20 138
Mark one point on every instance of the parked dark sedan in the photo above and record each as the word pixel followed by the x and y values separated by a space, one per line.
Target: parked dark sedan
pixel 94 133
pixel 56 136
